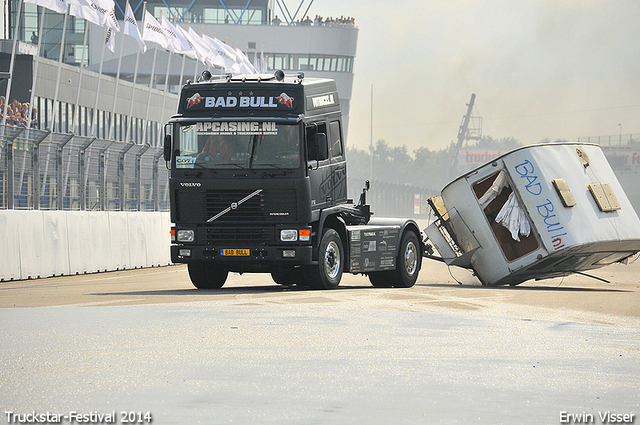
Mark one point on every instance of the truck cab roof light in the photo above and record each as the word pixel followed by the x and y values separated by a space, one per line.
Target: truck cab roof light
pixel 206 75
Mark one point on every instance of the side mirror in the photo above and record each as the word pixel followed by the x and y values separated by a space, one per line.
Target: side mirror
pixel 318 148
pixel 167 147
pixel 167 142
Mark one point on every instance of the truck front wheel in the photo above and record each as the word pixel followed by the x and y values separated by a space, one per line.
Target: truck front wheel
pixel 328 273
pixel 207 276
pixel 287 277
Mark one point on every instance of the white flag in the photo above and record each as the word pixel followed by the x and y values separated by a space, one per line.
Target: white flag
pixel 224 55
pixel 110 18
pixel 111 40
pixel 263 63
pixel 86 9
pixel 152 31
pixel 59 6
pixel 224 46
pixel 191 51
pixel 246 67
pixel 214 57
pixel 131 28
pixel 179 43
pixel 203 50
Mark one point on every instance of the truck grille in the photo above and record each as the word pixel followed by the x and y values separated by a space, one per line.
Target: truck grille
pixel 238 236
pixel 199 205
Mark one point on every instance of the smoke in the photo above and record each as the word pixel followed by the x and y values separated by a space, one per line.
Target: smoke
pixel 540 69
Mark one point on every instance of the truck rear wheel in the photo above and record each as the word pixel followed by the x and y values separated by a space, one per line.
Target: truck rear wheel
pixel 381 279
pixel 207 276
pixel 328 273
pixel 408 265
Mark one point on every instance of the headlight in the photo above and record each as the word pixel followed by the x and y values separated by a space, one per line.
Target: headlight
pixel 288 235
pixel 185 236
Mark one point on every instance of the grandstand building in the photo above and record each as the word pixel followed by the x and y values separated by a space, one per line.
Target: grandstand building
pixel 262 29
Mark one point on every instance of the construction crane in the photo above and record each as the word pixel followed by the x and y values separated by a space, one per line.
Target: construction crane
pixel 470 129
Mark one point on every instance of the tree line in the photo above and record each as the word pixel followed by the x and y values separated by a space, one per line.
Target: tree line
pixel 422 168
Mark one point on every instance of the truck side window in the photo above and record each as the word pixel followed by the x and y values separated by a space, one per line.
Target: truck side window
pixel 335 139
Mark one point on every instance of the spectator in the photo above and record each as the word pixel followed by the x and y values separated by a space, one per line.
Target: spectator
pixel 71 58
pixel 276 20
pixel 34 118
pixel 17 113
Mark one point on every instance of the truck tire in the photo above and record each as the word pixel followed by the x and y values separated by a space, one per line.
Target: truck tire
pixel 328 273
pixel 408 262
pixel 408 265
pixel 207 276
pixel 286 277
pixel 381 279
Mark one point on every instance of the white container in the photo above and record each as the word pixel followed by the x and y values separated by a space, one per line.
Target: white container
pixel 578 216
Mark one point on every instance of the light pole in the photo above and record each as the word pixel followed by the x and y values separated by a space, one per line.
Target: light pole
pixel 620 140
pixel 371 138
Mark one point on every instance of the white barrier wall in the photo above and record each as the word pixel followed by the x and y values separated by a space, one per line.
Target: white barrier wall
pixel 37 244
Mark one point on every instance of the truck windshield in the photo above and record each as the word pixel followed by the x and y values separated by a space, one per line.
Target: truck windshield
pixel 250 145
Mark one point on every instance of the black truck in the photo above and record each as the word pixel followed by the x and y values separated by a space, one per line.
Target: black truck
pixel 258 183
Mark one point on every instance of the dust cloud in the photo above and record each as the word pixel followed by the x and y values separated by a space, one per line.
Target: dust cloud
pixel 540 69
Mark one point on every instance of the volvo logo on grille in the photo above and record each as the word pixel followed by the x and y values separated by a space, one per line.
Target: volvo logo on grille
pixel 190 184
pixel 234 206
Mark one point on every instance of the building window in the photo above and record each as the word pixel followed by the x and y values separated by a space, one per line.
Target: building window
pixel 309 62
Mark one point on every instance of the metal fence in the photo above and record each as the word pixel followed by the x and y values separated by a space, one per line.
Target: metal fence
pixel 58 171
pixel 393 200
pixel 62 171
pixel 612 139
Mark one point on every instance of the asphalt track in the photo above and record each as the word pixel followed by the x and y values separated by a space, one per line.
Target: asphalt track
pixel 257 353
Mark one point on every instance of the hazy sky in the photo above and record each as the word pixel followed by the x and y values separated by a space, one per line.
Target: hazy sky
pixel 557 69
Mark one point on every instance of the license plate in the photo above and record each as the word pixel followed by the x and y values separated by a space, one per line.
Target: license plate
pixel 235 252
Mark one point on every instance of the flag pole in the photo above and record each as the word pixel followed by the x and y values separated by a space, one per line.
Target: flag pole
pixel 77 107
pixel 11 65
pixel 195 70
pixel 166 83
pixel 133 93
pixel 35 70
pixel 135 79
pixel 146 115
pixel 95 107
pixel 184 58
pixel 61 56
pixel 115 94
